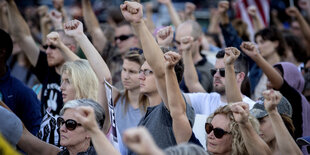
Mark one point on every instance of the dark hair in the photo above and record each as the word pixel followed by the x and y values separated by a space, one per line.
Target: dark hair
pixel 273 34
pixel 115 14
pixel 298 48
pixel 289 124
pixel 241 64
pixel 242 29
pixel 6 44
pixel 179 67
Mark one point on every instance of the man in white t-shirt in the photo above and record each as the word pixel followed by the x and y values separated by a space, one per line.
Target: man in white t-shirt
pixel 205 104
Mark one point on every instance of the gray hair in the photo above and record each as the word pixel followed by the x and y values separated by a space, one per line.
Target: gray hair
pixel 185 149
pixel 196 28
pixel 99 112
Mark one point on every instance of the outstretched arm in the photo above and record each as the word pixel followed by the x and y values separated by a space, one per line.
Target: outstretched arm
pixel 132 12
pixel 4 23
pixel 176 21
pixel 74 28
pixel 233 93
pixel 285 141
pixel 86 116
pixel 253 143
pixel 22 33
pixel 92 24
pixel 274 77
pixel 181 128
pixel 258 25
pixel 190 73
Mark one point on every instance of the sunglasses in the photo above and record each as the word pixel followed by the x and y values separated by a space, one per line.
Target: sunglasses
pixel 70 123
pixel 145 72
pixel 50 46
pixel 218 132
pixel 221 70
pixel 123 37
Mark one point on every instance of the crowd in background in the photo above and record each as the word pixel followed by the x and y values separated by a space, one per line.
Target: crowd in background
pixel 157 77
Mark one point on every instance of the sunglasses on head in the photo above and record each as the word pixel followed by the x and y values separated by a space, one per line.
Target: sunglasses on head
pixel 50 46
pixel 123 37
pixel 218 132
pixel 70 123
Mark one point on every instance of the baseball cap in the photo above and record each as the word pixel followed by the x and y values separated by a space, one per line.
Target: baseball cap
pixel 259 111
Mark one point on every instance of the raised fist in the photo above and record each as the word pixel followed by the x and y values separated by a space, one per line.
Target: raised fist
pixel 252 10
pixel 272 99
pixel 86 116
pixel 172 58
pixel 292 11
pixel 240 111
pixel 186 44
pixel 54 39
pixel 249 49
pixel 164 36
pixel 73 28
pixel 132 11
pixel 189 8
pixel 223 6
pixel 231 55
pixel 56 17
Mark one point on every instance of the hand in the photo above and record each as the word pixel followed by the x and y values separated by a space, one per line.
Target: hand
pixel 189 8
pixel 58 4
pixel 172 58
pixel 86 116
pixel 240 111
pixel 186 44
pixel 222 7
pixel 292 11
pixel 165 36
pixel 272 99
pixel 42 10
pixel 132 11
pixel 231 55
pixel 54 39
pixel 249 49
pixel 45 19
pixel 73 28
pixel 304 4
pixel 252 10
pixel 164 1
pixel 56 17
pixel 140 141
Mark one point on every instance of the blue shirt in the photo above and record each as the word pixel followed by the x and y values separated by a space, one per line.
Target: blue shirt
pixel 22 101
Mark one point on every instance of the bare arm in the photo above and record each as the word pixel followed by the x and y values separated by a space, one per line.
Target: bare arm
pixel 22 33
pixel 176 21
pixel 181 128
pixel 274 77
pixel 223 7
pixel 233 93
pixel 92 24
pixel 258 25
pixel 253 143
pixel 214 21
pixel 4 23
pixel 190 73
pixel 74 28
pixel 285 141
pixel 132 12
pixel 149 15
pixel 189 11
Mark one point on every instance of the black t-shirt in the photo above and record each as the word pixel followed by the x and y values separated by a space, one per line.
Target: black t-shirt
pixel 51 95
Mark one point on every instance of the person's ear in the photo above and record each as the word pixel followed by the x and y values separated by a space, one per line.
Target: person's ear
pixel 240 77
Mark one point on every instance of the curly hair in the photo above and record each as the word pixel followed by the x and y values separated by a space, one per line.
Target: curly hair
pixel 238 146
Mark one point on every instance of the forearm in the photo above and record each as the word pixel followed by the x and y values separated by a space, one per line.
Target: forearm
pixel 176 21
pixel 214 21
pixel 305 28
pixel 150 23
pixel 44 31
pixel 67 53
pixel 233 93
pixel 181 127
pixel 93 25
pixel 190 74
pixel 4 23
pixel 258 25
pixel 253 143
pixel 224 19
pixel 103 101
pixel 274 77
pixel 101 143
pixel 285 141
pixel 97 63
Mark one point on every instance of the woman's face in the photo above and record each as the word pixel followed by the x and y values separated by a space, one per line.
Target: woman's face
pixel 130 75
pixel 72 138
pixel 265 129
pixel 220 145
pixel 67 88
pixel 147 79
pixel 266 47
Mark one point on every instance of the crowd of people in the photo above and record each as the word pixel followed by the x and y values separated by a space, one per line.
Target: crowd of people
pixel 78 86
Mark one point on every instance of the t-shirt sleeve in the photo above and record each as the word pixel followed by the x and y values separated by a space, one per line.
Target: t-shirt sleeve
pixel 41 68
pixel 197 101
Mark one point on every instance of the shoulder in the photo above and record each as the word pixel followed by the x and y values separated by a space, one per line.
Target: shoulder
pixel 248 101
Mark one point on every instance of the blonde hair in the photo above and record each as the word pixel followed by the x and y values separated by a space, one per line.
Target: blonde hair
pixel 83 78
pixel 238 146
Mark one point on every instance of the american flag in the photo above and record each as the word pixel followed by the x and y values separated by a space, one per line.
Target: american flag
pixel 263 9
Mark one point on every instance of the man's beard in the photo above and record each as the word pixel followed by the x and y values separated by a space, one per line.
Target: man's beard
pixel 220 90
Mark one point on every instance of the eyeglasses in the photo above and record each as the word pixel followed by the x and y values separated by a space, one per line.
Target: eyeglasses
pixel 123 37
pixel 221 70
pixel 50 46
pixel 146 72
pixel 218 132
pixel 70 123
